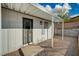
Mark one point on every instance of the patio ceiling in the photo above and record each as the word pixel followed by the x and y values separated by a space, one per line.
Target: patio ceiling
pixel 30 9
pixel 57 19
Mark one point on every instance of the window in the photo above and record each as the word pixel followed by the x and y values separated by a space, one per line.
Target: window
pixel 45 25
pixel 40 22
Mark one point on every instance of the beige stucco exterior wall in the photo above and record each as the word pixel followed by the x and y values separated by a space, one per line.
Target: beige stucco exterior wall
pixel 12 35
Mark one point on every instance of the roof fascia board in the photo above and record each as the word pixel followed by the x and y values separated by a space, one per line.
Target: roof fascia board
pixel 42 9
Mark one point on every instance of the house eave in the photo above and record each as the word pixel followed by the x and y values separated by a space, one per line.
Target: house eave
pixel 35 11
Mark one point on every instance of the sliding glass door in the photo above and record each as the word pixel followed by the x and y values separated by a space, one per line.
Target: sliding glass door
pixel 27 30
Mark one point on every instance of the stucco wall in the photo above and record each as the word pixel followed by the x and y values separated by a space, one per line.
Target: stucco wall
pixel 12 30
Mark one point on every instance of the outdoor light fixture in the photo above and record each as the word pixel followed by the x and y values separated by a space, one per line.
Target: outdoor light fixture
pixel 40 22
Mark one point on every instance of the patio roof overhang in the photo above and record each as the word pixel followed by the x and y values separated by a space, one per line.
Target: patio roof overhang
pixel 35 10
pixel 57 19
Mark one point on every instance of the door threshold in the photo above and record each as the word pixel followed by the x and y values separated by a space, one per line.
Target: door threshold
pixel 28 44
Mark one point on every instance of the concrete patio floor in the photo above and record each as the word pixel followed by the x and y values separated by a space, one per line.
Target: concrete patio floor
pixel 60 47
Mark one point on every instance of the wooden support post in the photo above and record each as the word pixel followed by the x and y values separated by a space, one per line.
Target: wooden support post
pixel 62 30
pixel 52 33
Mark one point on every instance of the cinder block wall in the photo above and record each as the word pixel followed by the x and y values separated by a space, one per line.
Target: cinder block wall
pixel 78 46
pixel 68 32
pixel 72 49
pixel 78 41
